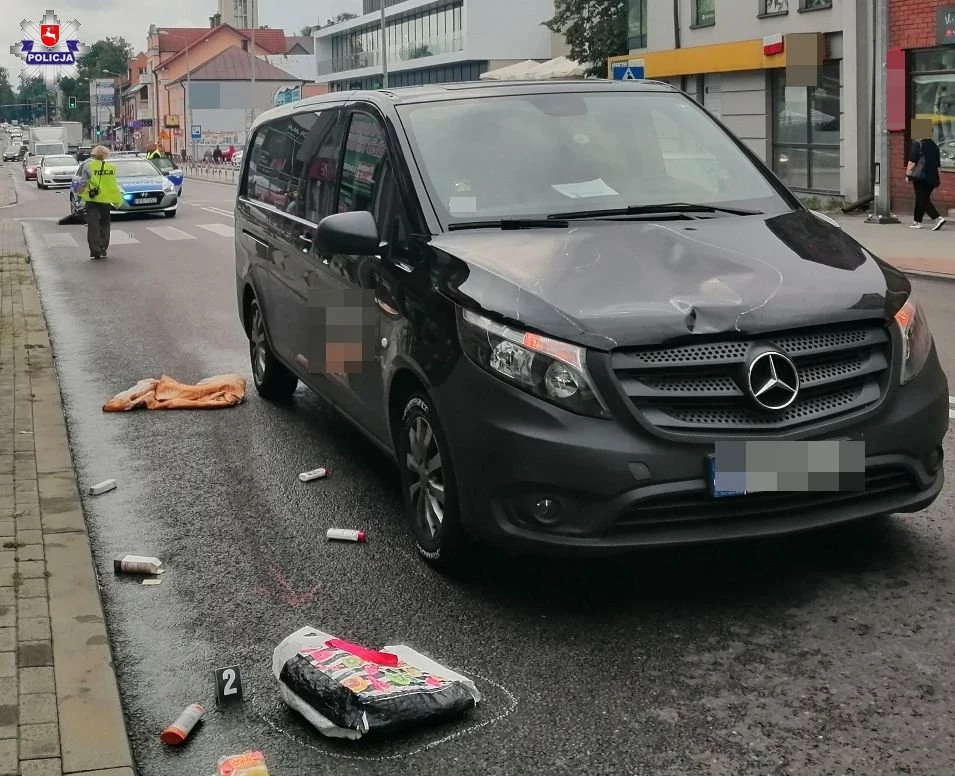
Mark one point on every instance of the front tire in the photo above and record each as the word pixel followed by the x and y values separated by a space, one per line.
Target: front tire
pixel 428 485
pixel 272 379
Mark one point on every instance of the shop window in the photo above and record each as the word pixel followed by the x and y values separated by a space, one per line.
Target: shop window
pixel 932 75
pixel 806 129
pixel 773 7
pixel 814 5
pixel 637 24
pixel 704 13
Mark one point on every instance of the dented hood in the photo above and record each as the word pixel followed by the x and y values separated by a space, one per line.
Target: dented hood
pixel 606 284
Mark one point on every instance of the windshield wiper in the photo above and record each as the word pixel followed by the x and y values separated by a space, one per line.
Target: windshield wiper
pixel 551 222
pixel 664 207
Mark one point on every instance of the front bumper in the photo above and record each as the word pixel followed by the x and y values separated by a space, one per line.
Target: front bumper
pixel 619 488
pixel 168 202
pixel 55 181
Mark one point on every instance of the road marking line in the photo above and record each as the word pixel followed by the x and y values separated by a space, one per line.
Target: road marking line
pixel 117 237
pixel 951 399
pixel 219 211
pixel 170 233
pixel 224 230
pixel 951 413
pixel 55 240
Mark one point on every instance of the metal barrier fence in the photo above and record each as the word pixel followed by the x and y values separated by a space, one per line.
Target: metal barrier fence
pixel 215 173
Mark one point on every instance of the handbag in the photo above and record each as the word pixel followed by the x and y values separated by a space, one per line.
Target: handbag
pixel 918 172
pixel 94 190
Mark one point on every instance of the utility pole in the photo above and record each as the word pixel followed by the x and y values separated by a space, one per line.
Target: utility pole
pixel 384 48
pixel 252 101
pixel 881 189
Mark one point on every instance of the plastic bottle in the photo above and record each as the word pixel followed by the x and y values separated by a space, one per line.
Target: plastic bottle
pixel 314 474
pixel 179 730
pixel 137 564
pixel 344 535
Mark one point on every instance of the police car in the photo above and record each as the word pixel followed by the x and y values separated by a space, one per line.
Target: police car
pixel 145 189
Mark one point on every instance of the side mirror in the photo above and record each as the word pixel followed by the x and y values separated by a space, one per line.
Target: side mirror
pixel 351 234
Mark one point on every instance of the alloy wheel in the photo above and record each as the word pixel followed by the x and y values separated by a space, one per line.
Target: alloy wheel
pixel 426 477
pixel 258 346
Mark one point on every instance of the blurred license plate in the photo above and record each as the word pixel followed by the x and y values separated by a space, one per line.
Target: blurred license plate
pixel 147 200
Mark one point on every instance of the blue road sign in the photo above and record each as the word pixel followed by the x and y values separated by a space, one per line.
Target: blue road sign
pixel 196 132
pixel 624 71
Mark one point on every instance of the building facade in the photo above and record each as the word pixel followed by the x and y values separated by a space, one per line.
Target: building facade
pixel 173 51
pixel 737 57
pixel 243 14
pixel 921 76
pixel 220 92
pixel 434 42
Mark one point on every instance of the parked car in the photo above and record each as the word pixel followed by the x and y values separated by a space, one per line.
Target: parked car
pixel 171 170
pixel 11 153
pixel 145 189
pixel 30 166
pixel 554 327
pixel 56 171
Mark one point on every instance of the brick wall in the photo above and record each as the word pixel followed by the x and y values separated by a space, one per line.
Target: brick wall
pixel 912 26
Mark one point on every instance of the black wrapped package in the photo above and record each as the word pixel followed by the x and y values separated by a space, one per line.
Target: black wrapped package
pixel 372 692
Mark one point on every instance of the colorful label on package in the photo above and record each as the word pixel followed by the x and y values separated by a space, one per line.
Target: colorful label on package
pixel 246 764
pixel 369 680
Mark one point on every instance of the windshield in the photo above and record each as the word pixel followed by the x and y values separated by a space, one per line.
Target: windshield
pixel 33 160
pixel 539 154
pixel 135 168
pixel 163 164
pixel 59 161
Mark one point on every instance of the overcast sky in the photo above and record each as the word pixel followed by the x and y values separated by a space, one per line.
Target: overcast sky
pixel 131 20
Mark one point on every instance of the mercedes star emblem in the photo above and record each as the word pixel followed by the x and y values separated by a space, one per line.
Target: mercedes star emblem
pixel 773 380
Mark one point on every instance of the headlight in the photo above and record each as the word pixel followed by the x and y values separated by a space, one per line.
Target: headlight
pixel 550 370
pixel 167 185
pixel 916 339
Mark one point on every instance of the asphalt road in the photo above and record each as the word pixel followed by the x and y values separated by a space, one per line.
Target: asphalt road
pixel 825 654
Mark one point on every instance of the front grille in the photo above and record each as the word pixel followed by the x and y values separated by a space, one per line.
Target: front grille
pixel 698 506
pixel 702 388
pixel 141 195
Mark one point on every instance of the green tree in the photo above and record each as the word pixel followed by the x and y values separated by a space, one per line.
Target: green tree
pixel 345 16
pixel 595 30
pixel 8 98
pixel 33 96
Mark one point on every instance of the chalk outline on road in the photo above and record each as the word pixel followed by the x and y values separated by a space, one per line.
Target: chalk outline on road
pixel 421 749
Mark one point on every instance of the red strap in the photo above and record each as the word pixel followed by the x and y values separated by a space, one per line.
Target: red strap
pixel 368 655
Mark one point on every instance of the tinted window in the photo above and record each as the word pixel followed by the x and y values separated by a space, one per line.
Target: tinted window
pixel 133 168
pixel 277 161
pixel 527 155
pixel 321 154
pixel 363 165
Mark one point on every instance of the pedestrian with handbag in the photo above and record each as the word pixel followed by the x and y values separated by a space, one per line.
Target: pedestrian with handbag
pixel 923 166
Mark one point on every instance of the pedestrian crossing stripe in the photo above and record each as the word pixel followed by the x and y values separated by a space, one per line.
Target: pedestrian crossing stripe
pixel 170 233
pixel 221 229
pixel 60 240
pixel 951 407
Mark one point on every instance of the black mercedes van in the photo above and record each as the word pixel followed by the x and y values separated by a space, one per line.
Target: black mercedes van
pixel 555 303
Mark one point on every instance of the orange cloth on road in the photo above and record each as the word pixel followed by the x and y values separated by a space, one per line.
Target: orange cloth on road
pixel 168 394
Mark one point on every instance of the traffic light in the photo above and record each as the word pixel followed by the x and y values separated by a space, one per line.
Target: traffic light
pixel 98 131
pixel 72 103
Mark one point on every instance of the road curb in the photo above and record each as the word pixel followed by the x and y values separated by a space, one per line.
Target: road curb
pixel 926 274
pixel 92 729
pixel 12 198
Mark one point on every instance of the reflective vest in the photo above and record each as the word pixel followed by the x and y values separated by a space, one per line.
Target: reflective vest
pixel 153 155
pixel 103 177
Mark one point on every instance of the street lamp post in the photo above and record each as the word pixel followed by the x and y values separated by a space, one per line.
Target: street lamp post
pixel 187 99
pixel 110 112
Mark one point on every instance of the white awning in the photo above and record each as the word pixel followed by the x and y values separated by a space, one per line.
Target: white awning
pixel 133 90
pixel 529 70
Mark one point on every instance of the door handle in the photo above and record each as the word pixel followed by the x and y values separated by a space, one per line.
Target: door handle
pixel 305 241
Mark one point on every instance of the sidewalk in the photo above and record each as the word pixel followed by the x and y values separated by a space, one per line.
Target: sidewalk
pixel 919 251
pixel 60 709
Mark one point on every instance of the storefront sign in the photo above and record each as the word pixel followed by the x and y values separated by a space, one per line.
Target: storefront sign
pixel 945 26
pixel 171 121
pixel 287 94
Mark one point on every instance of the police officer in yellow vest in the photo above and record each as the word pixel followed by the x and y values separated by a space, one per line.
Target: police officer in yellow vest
pixel 154 154
pixel 95 183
